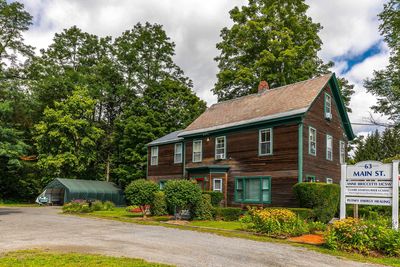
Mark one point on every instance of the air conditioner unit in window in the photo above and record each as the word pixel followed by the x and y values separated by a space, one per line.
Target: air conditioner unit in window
pixel 328 116
pixel 219 156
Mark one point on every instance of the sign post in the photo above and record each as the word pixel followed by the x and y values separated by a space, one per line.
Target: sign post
pixel 370 183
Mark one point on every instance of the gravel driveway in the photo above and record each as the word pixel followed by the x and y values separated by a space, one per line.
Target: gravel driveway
pixel 22 228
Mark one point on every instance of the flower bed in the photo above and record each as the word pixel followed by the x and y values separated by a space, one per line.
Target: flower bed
pixel 364 236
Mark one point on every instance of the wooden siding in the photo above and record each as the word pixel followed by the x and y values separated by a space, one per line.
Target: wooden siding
pixel 318 165
pixel 166 167
pixel 243 159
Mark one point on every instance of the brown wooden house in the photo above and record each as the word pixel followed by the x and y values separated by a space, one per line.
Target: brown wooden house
pixel 255 148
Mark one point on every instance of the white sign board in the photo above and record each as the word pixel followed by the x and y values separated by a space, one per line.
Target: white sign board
pixel 387 184
pixel 371 183
pixel 369 170
pixel 382 201
pixel 368 191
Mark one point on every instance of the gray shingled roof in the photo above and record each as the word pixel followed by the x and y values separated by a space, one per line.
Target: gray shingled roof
pixel 171 137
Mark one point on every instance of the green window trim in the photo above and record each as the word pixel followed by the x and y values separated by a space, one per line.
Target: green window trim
pixel 328 106
pixel 200 153
pixel 241 184
pixel 310 129
pixel 219 156
pixel 310 178
pixel 266 142
pixel 329 147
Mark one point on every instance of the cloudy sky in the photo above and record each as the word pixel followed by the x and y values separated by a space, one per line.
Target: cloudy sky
pixel 350 35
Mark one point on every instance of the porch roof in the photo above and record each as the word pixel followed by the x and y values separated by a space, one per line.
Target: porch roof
pixel 208 169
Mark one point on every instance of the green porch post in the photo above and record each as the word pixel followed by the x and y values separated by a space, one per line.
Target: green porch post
pixel 300 150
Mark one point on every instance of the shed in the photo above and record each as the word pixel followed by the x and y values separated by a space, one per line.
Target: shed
pixel 60 191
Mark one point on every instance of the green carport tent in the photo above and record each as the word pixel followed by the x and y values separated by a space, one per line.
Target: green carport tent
pixel 65 190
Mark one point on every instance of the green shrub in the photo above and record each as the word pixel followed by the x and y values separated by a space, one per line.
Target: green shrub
pixel 76 207
pixel 182 195
pixel 203 209
pixel 228 214
pixel 275 222
pixel 321 197
pixel 96 205
pixel 216 197
pixel 159 206
pixel 303 213
pixel 108 205
pixel 141 193
pixel 363 236
pixel 316 227
pixel 83 206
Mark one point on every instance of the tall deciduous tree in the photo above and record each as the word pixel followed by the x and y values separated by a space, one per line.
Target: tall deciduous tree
pixel 67 139
pixel 385 84
pixel 270 40
pixel 15 175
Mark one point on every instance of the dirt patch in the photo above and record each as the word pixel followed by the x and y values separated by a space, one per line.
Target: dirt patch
pixel 309 239
pixel 177 222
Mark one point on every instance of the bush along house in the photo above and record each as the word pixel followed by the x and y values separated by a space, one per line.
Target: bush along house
pixel 255 148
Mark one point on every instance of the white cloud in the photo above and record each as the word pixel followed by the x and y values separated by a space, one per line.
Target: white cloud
pixel 350 27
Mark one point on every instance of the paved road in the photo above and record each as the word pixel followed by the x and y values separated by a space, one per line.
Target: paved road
pixel 22 228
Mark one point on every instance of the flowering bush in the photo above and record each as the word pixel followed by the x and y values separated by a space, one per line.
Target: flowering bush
pixel 83 206
pixel 275 222
pixel 363 236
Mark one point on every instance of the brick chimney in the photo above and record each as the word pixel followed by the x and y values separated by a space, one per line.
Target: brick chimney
pixel 263 86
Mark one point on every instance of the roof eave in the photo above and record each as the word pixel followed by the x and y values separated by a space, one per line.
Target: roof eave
pixel 341 107
pixel 242 124
pixel 176 140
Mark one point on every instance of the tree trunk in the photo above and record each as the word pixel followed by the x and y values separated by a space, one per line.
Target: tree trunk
pixel 108 168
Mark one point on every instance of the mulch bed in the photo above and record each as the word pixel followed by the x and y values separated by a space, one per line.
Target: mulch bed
pixel 312 239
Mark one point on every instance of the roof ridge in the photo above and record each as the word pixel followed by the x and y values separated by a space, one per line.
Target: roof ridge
pixel 277 88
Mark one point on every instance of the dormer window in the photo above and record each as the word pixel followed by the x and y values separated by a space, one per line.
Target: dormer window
pixel 328 106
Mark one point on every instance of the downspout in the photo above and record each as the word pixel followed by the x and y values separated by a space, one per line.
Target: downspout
pixel 147 163
pixel 183 158
pixel 300 151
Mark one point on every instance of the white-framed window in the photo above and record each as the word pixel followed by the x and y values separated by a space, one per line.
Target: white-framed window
pixel 217 185
pixel 312 141
pixel 197 151
pixel 154 156
pixel 178 153
pixel 162 184
pixel 220 147
pixel 328 106
pixel 329 152
pixel 342 146
pixel 265 142
pixel 329 180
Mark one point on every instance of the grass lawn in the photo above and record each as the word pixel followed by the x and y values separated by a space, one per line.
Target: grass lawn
pixel 223 228
pixel 21 205
pixel 34 258
pixel 218 224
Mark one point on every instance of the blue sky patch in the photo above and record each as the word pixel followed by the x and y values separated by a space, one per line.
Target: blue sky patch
pixel 355 59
